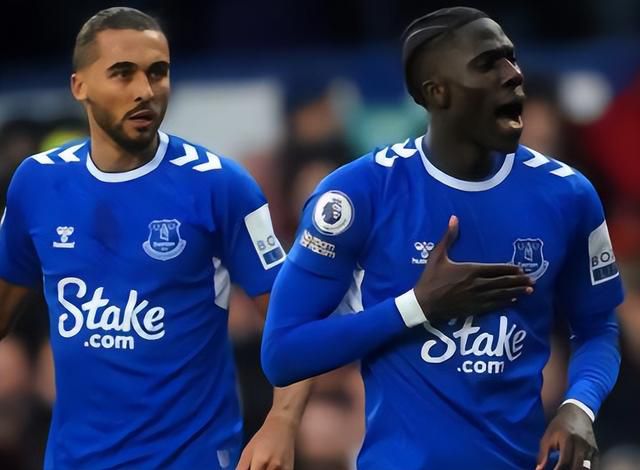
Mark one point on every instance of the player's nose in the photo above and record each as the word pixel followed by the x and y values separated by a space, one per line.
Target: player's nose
pixel 512 76
pixel 142 88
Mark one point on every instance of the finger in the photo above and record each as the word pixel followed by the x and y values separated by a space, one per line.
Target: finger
pixel 591 458
pixel 245 462
pixel 566 455
pixel 448 238
pixel 581 452
pixel 489 270
pixel 503 282
pixel 543 454
pixel 504 295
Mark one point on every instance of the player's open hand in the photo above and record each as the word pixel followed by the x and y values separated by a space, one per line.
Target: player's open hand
pixel 449 290
pixel 272 447
pixel 570 432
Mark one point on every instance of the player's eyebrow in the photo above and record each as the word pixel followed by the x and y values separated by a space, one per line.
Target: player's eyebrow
pixel 493 54
pixel 121 66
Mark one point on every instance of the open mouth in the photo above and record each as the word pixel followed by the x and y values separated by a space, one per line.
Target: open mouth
pixel 510 115
pixel 143 118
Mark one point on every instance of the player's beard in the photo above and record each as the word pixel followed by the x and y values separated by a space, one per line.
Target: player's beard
pixel 114 128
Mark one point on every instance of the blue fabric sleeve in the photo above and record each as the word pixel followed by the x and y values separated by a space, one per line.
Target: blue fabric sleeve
pixel 595 359
pixel 336 223
pixel 251 251
pixel 588 292
pixel 302 339
pixel 19 262
pixel 589 282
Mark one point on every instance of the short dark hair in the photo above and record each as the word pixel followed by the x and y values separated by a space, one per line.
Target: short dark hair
pixel 110 18
pixel 425 34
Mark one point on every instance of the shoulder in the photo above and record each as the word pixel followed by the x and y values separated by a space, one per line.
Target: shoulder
pixel 357 190
pixel 553 174
pixel 43 164
pixel 71 152
pixel 197 161
pixel 371 173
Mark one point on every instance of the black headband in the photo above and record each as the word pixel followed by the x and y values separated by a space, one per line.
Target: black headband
pixel 431 26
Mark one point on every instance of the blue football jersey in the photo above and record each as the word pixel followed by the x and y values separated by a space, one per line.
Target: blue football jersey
pixel 136 269
pixel 464 393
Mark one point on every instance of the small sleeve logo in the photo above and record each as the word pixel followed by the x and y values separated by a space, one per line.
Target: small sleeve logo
pixel 602 261
pixel 333 213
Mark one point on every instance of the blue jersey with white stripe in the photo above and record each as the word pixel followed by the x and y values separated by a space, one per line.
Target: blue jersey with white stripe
pixel 136 268
pixel 463 393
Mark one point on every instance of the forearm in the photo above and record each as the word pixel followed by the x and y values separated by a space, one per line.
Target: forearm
pixel 290 402
pixel 594 363
pixel 11 298
pixel 297 352
pixel 303 339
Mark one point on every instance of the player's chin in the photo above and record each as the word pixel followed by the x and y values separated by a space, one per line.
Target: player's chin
pixel 142 132
pixel 138 140
pixel 507 140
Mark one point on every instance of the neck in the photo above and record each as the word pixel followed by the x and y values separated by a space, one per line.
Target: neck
pixel 458 156
pixel 110 157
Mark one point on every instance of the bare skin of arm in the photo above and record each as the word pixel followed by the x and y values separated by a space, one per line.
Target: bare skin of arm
pixel 273 445
pixel 11 297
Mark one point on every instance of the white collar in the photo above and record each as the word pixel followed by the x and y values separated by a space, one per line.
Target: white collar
pixel 464 185
pixel 147 168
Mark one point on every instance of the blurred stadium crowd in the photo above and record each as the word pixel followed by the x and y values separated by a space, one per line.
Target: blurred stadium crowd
pixel 314 107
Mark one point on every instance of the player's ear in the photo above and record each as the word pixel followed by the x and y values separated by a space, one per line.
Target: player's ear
pixel 435 94
pixel 78 86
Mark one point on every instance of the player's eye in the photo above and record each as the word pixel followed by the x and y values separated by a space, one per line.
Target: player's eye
pixel 158 71
pixel 121 73
pixel 486 65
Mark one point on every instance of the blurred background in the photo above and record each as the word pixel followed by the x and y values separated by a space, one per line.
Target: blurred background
pixel 294 90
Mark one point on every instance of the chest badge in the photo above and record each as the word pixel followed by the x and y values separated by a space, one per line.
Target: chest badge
pixel 527 253
pixel 164 242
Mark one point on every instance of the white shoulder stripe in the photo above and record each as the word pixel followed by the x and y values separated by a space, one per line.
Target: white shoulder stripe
pixel 69 155
pixel 43 157
pixel 399 150
pixel 564 170
pixel 191 155
pixel 537 160
pixel 214 163
pixel 402 151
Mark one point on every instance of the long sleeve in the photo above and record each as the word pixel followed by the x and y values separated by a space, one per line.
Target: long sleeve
pixel 588 292
pixel 595 360
pixel 301 338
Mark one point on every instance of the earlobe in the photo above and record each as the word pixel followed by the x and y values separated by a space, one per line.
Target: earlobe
pixel 78 87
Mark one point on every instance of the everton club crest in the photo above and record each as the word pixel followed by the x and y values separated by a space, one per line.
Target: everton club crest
pixel 527 253
pixel 164 242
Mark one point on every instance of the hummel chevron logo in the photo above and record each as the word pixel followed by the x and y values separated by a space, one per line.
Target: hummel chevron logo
pixel 191 155
pixel 398 150
pixel 67 155
pixel 540 160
